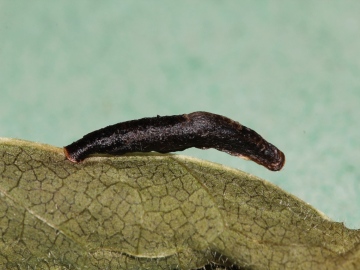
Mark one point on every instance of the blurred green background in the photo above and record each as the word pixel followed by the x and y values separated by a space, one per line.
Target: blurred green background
pixel 287 69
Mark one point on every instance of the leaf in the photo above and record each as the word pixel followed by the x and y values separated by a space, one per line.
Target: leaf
pixel 155 211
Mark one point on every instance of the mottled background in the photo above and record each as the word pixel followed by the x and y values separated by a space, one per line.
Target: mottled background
pixel 288 69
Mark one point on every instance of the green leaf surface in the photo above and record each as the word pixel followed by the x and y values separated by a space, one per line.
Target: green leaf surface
pixel 153 211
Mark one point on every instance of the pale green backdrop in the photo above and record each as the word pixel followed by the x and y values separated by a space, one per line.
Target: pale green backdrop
pixel 288 69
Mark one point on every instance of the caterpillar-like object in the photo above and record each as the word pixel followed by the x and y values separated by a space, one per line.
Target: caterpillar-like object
pixel 176 133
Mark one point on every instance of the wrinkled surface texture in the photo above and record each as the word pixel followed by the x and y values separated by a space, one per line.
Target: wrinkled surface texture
pixel 155 212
